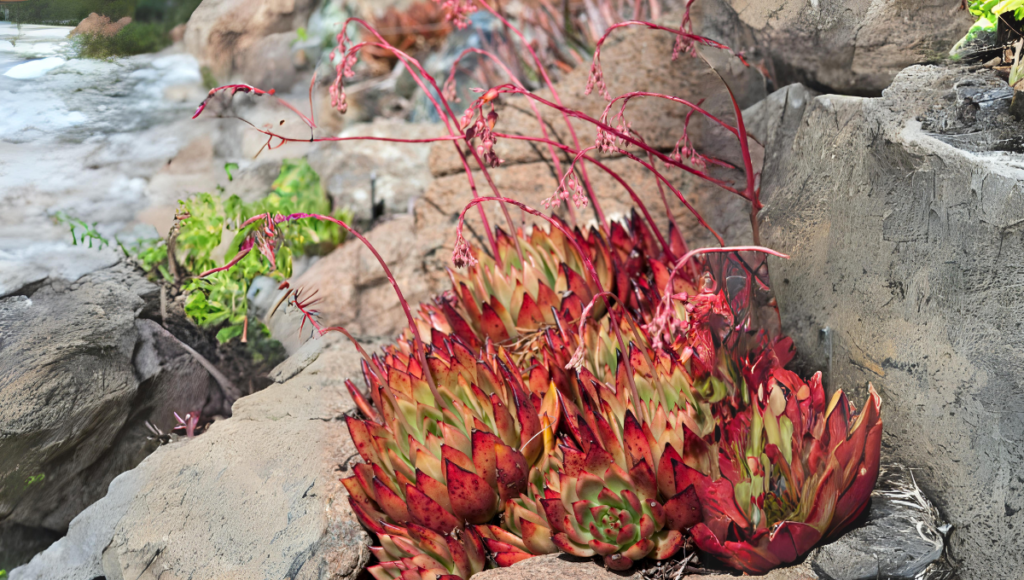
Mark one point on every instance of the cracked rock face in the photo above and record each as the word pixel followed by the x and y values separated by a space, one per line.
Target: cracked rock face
pixel 851 47
pixel 256 496
pixel 907 249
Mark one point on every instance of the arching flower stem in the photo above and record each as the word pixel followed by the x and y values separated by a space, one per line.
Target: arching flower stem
pixel 633 195
pixel 554 94
pixel 556 162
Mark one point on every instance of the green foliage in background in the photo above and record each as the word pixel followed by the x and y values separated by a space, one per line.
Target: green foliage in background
pixel 136 38
pixel 988 13
pixel 169 12
pixel 219 300
pixel 148 32
pixel 82 233
pixel 67 12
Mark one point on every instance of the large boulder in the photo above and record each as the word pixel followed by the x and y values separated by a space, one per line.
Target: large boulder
pixel 249 39
pixel 81 374
pixel 903 273
pixel 255 496
pixel 852 47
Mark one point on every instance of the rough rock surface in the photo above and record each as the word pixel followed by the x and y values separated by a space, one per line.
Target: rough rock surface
pixel 80 375
pixel 66 390
pixel 905 249
pixel 240 37
pixel 561 567
pixel 853 47
pixel 256 496
pixel 631 60
pixel 395 173
pixel 24 270
pixel 901 537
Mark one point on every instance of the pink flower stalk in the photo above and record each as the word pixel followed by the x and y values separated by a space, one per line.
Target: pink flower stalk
pixel 462 256
pixel 458 11
pixel 684 41
pixel 576 361
pixel 189 423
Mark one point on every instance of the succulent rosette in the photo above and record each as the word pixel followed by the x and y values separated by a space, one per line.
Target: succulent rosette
pixel 439 465
pixel 613 492
pixel 510 302
pixel 584 449
pixel 793 472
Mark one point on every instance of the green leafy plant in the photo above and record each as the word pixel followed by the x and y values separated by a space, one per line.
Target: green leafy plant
pixel 989 12
pixel 67 12
pixel 204 228
pixel 82 233
pixel 151 254
pixel 135 38
pixel 219 300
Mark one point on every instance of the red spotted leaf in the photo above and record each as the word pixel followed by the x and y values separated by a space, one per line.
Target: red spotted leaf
pixel 530 315
pixel 390 502
pixel 484 458
pixel 512 472
pixel 472 498
pixel 683 510
pixel 428 513
pixel 491 324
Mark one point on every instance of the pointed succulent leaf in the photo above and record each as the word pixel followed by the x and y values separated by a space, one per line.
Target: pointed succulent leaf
pixel 428 513
pixel 472 498
pixel 512 472
pixel 537 538
pixel 564 544
pixel 390 502
pixel 683 510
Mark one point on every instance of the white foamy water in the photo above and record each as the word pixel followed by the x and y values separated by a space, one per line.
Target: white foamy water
pixel 85 136
pixel 34 68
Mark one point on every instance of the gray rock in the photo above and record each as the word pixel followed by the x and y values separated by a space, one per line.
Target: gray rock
pixel 303 357
pixel 905 248
pixel 253 180
pixel 269 62
pixel 395 173
pixel 228 36
pixel 562 567
pixel 66 391
pixel 255 496
pixel 80 375
pixel 853 47
pixel 78 554
pixel 19 543
pixel 24 269
pixel 900 539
